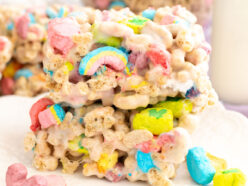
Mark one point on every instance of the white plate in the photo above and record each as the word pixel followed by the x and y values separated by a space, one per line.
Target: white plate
pixel 220 132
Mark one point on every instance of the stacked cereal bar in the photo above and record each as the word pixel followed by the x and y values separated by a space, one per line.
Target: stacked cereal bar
pixel 26 29
pixel 201 8
pixel 125 92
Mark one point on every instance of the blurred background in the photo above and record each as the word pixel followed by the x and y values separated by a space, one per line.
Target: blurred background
pixel 225 23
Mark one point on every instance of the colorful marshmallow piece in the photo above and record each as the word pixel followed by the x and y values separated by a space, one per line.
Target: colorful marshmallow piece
pixel 168 19
pixel 49 72
pixel 54 115
pixel 156 120
pixel 3 42
pixel 149 13
pixel 192 92
pixel 144 161
pixel 23 73
pixel 16 175
pixel 148 146
pixel 199 166
pixel 22 26
pixel 69 67
pixel 10 26
pixel 102 38
pixel 109 56
pixel 63 12
pixel 136 23
pixel 107 161
pixel 11 68
pixel 178 107
pixel 76 145
pixel 60 32
pixel 7 86
pixel 36 108
pixel 166 139
pixel 159 57
pixel 218 163
pixel 117 5
pixel 230 177
pixel 116 174
pixel 51 13
pixel 31 19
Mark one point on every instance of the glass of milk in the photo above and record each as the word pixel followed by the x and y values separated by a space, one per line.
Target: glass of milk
pixel 229 64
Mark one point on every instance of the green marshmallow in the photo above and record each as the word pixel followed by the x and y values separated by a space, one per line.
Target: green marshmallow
pixel 156 120
pixel 230 177
pixel 105 39
pixel 177 106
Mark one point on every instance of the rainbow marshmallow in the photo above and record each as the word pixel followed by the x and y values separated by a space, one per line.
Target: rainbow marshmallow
pixel 51 116
pixel 110 56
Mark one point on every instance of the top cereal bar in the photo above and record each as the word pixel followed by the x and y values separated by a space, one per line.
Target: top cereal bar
pixel 128 60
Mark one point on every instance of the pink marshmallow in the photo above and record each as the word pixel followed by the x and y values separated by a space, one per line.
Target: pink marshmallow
pixel 166 140
pixel 22 24
pixel 105 15
pixel 17 176
pixel 60 32
pixel 7 86
pixel 139 59
pixel 102 4
pixel 54 180
pixel 36 181
pixel 46 119
pixel 168 19
pixel 110 61
pixel 2 43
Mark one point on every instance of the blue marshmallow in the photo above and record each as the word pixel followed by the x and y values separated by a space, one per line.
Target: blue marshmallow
pixel 149 14
pixel 23 72
pixel 144 161
pixel 199 166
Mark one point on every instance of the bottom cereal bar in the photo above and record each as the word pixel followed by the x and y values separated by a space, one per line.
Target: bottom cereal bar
pixel 23 80
pixel 144 144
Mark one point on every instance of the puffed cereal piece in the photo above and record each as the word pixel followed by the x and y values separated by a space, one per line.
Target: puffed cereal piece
pixel 29 141
pixel 102 83
pixel 133 101
pixel 113 141
pixel 94 146
pixel 45 163
pixel 42 148
pixel 131 167
pixel 156 179
pixel 179 148
pixel 98 120
pixel 59 151
pixel 185 40
pixel 188 122
pixel 91 169
pixel 69 167
pixel 158 33
pixel 136 137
